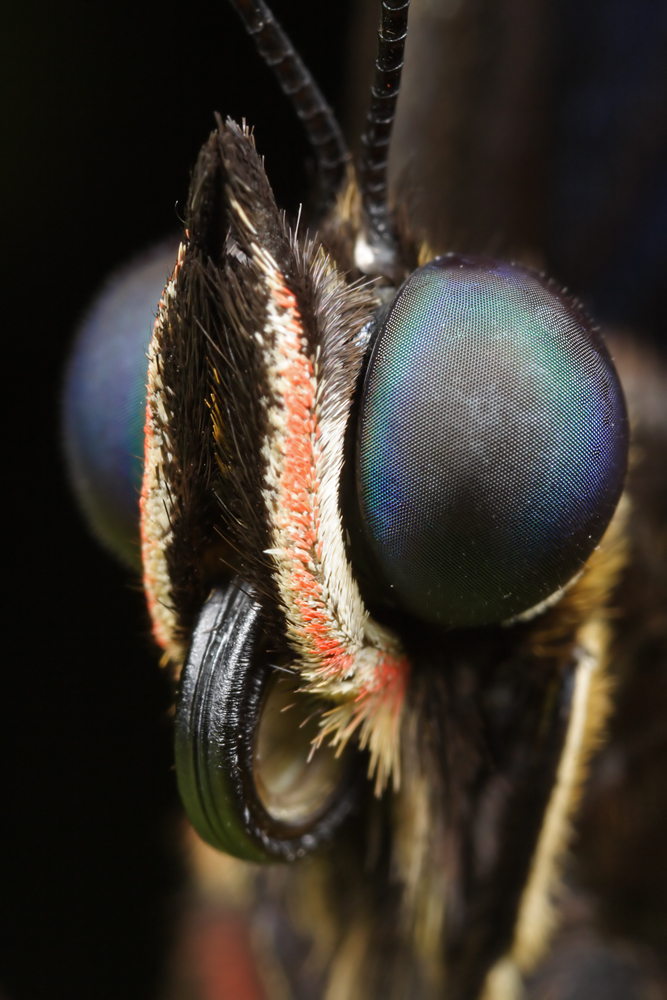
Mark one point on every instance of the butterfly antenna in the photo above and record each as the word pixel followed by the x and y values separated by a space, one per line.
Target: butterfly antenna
pixel 297 83
pixel 376 251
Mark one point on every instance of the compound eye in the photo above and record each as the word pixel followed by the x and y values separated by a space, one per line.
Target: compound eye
pixel 105 400
pixel 492 442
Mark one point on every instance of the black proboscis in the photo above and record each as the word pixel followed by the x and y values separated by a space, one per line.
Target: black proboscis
pixel 219 705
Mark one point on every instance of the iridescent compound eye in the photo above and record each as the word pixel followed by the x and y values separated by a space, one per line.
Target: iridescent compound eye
pixel 492 442
pixel 105 400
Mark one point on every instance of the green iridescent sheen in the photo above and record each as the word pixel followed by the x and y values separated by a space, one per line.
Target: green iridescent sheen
pixel 493 442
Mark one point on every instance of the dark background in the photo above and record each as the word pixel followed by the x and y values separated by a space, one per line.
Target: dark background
pixel 104 108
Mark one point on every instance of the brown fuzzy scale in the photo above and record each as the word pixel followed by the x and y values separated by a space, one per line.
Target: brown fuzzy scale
pixel 331 313
pixel 215 472
pixel 236 377
pixel 218 319
pixel 191 469
pixel 621 857
pixel 341 227
pixel 428 882
pixel 265 264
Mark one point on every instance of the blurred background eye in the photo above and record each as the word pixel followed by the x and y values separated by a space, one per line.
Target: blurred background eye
pixel 492 442
pixel 105 400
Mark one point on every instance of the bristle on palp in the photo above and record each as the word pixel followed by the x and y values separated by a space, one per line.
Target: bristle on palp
pixel 273 329
pixel 308 343
pixel 342 655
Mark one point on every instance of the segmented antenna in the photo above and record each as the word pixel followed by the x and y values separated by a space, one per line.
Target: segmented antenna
pixel 296 82
pixel 378 250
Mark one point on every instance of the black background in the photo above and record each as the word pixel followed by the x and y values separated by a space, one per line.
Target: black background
pixel 104 108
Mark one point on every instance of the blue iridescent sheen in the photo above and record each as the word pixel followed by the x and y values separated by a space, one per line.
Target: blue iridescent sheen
pixel 105 400
pixel 492 442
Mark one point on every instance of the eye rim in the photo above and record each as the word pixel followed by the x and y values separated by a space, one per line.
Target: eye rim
pixel 224 681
